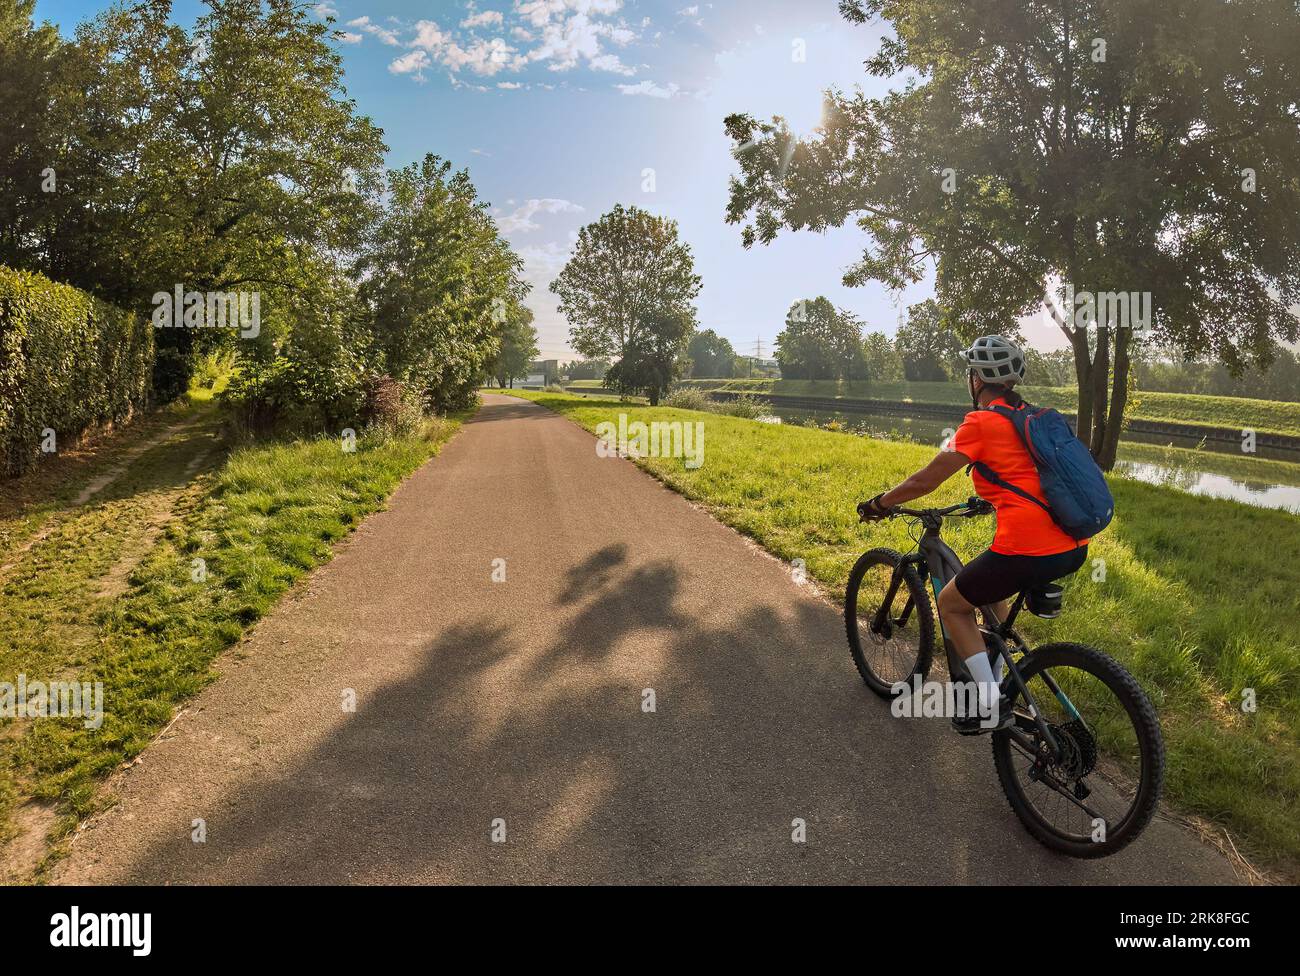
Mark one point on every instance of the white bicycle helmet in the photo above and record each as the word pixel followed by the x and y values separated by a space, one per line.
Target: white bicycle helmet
pixel 995 360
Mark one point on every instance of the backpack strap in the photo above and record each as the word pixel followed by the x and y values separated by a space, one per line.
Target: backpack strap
pixel 1018 418
pixel 990 475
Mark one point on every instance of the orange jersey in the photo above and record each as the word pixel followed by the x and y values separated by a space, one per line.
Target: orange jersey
pixel 1024 529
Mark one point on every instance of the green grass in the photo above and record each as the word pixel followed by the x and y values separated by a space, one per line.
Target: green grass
pixel 99 596
pixel 1236 413
pixel 1198 599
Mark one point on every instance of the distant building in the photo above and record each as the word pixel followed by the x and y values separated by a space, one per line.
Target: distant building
pixel 542 372
pixel 752 367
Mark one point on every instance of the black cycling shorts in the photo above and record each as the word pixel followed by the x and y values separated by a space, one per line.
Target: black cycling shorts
pixel 991 576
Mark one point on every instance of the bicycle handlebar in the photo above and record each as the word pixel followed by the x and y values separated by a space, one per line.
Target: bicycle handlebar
pixel 970 508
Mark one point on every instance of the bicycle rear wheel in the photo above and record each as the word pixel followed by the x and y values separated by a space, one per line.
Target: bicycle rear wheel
pixel 1102 790
pixel 888 643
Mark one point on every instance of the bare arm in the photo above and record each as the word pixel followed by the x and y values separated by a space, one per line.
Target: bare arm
pixel 944 465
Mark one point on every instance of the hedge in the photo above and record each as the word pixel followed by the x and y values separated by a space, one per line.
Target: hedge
pixel 68 362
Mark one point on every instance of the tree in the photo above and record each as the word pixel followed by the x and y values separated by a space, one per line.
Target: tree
pixel 517 351
pixel 884 364
pixel 437 280
pixel 711 355
pixel 820 342
pixel 654 357
pixel 1050 368
pixel 628 269
pixel 29 60
pixel 586 369
pixel 224 158
pixel 928 349
pixel 1041 150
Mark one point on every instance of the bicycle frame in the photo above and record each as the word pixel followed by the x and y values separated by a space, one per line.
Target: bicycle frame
pixel 941 564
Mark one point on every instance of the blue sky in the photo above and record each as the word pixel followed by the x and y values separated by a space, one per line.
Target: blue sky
pixel 559 107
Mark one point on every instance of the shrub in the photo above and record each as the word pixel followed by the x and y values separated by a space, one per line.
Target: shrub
pixel 688 398
pixel 746 406
pixel 390 406
pixel 68 362
pixel 291 397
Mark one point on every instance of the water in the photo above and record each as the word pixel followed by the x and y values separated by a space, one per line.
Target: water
pixel 1261 493
pixel 1173 462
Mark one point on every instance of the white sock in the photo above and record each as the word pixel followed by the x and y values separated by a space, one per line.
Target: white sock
pixel 981 669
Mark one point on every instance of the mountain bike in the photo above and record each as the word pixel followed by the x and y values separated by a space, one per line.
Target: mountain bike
pixel 1084 786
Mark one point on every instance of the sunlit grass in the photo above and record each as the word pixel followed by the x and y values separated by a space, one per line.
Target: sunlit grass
pixel 259 520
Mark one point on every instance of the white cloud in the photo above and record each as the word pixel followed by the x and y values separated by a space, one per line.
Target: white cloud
pixel 323 10
pixel 347 37
pixel 482 57
pixel 650 89
pixel 691 11
pixel 509 85
pixel 563 34
pixel 383 33
pixel 429 36
pixel 482 20
pixel 411 64
pixel 610 62
pixel 521 221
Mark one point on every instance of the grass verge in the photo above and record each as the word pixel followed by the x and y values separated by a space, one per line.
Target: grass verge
pixel 1196 596
pixel 112 589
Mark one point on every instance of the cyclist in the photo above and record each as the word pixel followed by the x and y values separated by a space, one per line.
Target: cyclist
pixel 1028 547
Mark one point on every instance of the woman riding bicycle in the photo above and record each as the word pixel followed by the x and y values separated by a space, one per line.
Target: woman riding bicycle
pixel 1028 548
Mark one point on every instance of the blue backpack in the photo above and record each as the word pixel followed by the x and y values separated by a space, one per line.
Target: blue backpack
pixel 1078 498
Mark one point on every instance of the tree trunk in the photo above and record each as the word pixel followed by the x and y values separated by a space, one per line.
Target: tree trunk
pixel 1118 401
pixel 1100 389
pixel 1083 377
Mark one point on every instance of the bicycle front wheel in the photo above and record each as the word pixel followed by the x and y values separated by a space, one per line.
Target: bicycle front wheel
pixel 1098 789
pixel 888 620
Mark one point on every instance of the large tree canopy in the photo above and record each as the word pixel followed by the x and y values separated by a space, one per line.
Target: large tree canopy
pixel 1032 147
pixel 929 350
pixel 626 267
pixel 439 281
pixel 820 342
pixel 518 347
pixel 711 355
pixel 227 157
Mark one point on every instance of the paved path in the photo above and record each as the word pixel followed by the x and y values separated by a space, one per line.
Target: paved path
pixel 521 701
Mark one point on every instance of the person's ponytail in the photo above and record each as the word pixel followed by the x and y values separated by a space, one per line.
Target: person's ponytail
pixel 1014 399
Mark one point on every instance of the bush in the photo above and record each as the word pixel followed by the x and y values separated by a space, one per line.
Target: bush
pixel 555 388
pixel 292 397
pixel 746 406
pixel 390 406
pixel 68 362
pixel 688 398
